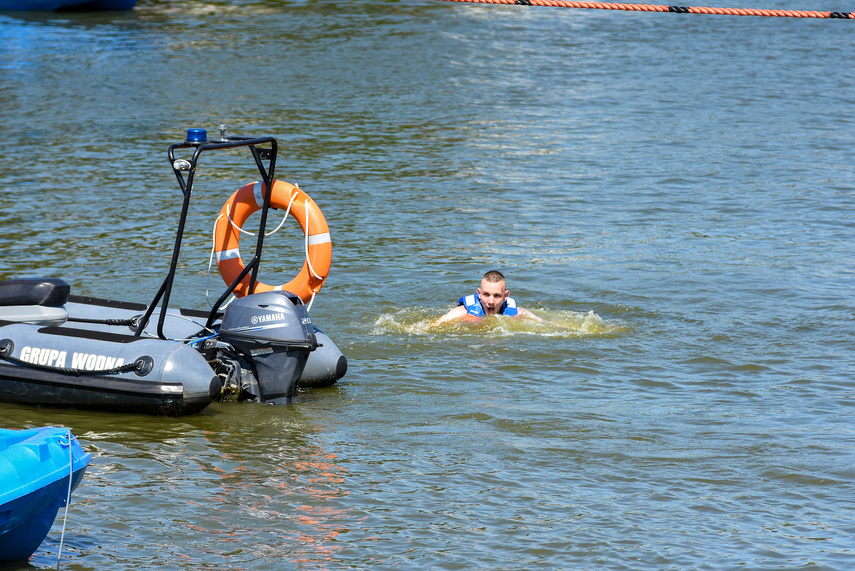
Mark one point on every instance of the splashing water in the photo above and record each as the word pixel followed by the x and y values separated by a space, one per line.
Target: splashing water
pixel 561 324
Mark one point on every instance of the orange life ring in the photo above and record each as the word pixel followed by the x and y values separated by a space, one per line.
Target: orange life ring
pixel 288 197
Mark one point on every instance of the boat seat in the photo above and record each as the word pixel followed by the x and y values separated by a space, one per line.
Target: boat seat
pixel 51 292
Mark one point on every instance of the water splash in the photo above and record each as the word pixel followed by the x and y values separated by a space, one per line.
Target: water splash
pixel 560 324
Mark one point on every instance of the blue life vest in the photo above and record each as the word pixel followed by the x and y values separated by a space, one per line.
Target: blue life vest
pixel 473 306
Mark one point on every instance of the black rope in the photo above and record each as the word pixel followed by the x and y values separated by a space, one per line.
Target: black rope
pixel 131 322
pixel 137 365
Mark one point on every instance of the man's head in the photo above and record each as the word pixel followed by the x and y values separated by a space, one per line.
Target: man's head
pixel 492 292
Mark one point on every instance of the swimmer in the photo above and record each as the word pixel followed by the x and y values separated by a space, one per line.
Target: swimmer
pixel 491 299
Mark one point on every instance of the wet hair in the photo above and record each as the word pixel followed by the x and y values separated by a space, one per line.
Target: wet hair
pixel 493 276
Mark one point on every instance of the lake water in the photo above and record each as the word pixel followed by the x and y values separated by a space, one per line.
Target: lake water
pixel 673 193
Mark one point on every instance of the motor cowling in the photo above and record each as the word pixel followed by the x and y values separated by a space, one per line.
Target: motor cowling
pixel 274 333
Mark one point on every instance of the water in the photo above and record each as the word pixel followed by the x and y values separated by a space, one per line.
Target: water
pixel 673 193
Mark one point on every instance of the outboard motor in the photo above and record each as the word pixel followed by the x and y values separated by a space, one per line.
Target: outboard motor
pixel 274 333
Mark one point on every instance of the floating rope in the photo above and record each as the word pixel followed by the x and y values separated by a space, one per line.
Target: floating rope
pixel 675 9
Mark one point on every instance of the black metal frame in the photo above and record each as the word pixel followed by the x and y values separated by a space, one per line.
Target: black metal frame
pixel 230 142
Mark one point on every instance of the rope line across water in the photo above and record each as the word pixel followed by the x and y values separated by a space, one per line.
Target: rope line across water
pixel 675 9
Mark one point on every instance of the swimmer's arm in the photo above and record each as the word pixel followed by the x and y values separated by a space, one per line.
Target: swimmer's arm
pixel 455 313
pixel 527 314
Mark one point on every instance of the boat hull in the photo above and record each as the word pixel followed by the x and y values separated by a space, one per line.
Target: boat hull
pixel 325 366
pixel 77 5
pixel 62 366
pixel 111 394
pixel 81 354
pixel 35 468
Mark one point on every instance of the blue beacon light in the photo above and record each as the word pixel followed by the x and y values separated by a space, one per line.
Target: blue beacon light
pixel 196 136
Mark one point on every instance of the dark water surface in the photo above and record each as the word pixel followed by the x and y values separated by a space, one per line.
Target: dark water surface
pixel 674 193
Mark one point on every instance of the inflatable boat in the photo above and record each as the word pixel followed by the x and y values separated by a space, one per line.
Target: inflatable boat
pixel 257 342
pixel 39 468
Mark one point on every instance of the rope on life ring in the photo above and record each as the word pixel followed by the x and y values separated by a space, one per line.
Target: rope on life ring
pixel 288 197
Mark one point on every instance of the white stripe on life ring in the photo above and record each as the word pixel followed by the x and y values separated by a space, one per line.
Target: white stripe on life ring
pixel 256 192
pixel 228 254
pixel 319 239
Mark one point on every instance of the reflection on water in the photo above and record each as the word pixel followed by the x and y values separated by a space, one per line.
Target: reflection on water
pixel 245 481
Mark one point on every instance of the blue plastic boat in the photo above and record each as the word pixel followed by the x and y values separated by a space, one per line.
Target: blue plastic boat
pixel 81 5
pixel 35 467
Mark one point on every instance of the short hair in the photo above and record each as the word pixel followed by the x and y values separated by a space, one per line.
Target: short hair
pixel 493 276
